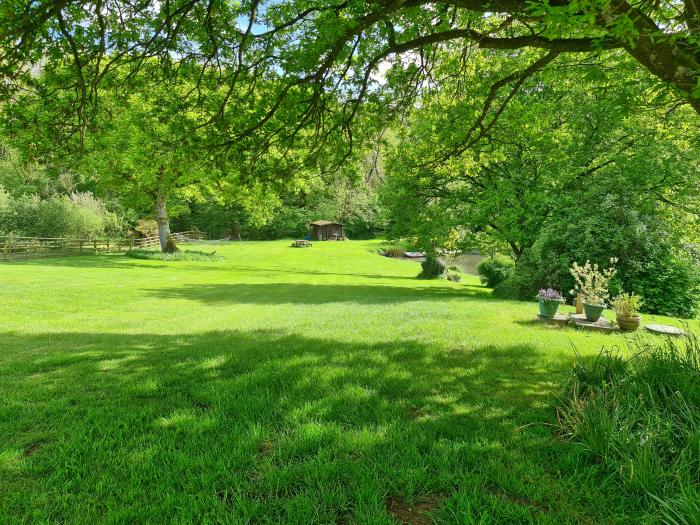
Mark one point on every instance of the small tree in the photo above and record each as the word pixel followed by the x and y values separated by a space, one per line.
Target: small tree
pixel 593 283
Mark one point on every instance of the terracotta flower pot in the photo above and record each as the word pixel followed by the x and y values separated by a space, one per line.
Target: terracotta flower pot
pixel 593 311
pixel 628 324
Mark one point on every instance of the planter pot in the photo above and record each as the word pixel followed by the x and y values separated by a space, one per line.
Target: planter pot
pixel 628 324
pixel 593 312
pixel 548 307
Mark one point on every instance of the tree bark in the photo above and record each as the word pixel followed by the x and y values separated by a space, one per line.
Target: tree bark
pixel 163 221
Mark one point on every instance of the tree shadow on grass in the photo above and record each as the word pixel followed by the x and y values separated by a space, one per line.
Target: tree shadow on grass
pixel 92 261
pixel 301 293
pixel 286 270
pixel 121 261
pixel 271 426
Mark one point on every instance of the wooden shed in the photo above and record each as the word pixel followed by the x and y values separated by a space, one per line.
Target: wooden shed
pixel 327 231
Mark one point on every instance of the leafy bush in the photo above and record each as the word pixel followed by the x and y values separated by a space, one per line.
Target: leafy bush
pixel 432 268
pixel 181 255
pixel 87 216
pixel 670 285
pixel 640 418
pixel 495 270
pixel 593 283
pixel 79 215
pixel 454 277
pixel 649 263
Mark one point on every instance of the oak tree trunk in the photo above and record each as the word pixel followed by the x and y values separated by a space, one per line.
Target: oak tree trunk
pixel 163 222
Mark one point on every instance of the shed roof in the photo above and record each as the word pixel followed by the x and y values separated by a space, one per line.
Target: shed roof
pixel 324 223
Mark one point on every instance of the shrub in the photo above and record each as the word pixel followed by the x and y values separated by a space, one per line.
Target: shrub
pixel 591 282
pixel 495 270
pixel 670 285
pixel 640 418
pixel 180 255
pixel 432 268
pixel 649 261
pixel 454 277
pixel 87 216
pixel 79 215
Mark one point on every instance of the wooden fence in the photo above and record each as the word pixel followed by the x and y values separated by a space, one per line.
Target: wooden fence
pixel 148 242
pixel 13 248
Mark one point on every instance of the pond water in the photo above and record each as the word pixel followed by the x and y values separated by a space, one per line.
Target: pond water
pixel 467 262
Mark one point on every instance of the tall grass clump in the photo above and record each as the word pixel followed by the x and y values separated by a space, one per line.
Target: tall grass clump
pixel 397 249
pixel 394 251
pixel 639 417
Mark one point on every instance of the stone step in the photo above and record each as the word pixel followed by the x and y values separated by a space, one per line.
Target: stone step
pixel 601 325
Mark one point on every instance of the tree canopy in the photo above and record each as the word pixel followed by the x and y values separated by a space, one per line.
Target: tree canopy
pixel 322 58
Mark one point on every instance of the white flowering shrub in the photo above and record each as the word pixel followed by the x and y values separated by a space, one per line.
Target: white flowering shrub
pixel 593 282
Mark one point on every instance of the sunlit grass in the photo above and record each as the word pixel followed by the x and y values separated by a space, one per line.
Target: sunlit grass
pixel 281 385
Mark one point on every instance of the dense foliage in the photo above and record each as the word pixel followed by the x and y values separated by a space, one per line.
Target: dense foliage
pixel 432 268
pixel 38 201
pixel 351 198
pixel 142 151
pixel 649 262
pixel 321 52
pixel 77 215
pixel 567 173
pixel 495 270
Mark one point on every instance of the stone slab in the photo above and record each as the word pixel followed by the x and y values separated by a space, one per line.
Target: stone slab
pixel 601 325
pixel 664 329
pixel 559 319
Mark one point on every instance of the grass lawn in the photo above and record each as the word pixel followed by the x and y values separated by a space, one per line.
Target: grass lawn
pixel 281 385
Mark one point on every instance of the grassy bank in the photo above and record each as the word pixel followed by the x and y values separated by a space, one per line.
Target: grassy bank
pixel 282 385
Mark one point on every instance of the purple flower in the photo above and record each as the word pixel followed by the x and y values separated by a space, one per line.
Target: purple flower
pixel 549 294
